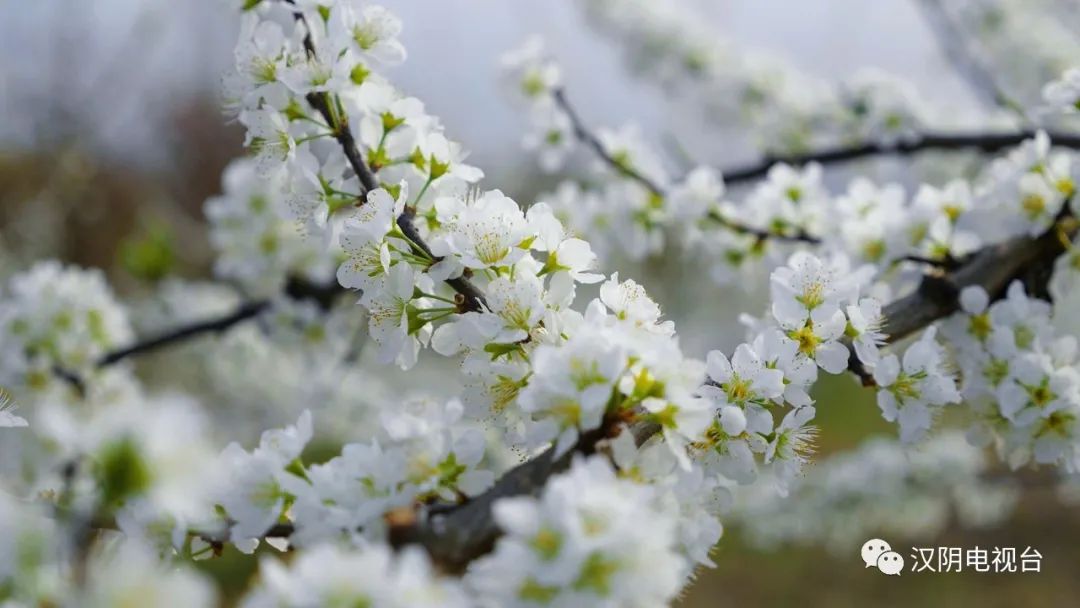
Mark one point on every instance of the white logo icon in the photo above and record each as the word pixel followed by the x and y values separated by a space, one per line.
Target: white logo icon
pixel 890 563
pixel 872 549
pixel 877 553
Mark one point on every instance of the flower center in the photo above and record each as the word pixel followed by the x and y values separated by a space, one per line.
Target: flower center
pixel 807 339
pixel 738 390
pixel 366 36
pixel 980 326
pixel 1033 205
pixel 906 387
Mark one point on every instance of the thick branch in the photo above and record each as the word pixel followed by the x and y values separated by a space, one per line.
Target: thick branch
pixel 993 268
pixel 467 532
pixel 983 142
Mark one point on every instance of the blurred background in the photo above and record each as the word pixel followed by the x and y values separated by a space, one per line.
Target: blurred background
pixel 111 139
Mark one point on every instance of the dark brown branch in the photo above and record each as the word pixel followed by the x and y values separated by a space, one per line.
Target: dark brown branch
pixel 993 268
pixel 323 295
pixel 762 234
pixel 947 263
pixel 983 142
pixel 343 134
pixel 185 332
pixel 585 136
pixel 473 299
pixel 467 532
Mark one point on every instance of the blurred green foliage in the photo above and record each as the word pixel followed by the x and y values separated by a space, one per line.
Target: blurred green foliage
pixel 149 255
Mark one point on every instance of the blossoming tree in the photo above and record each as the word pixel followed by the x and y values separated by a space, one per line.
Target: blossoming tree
pixel 582 459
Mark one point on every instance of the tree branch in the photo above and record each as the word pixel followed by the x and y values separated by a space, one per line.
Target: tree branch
pixel 983 142
pixel 466 532
pixel 244 312
pixel 586 136
pixel 993 268
pixel 339 121
pixel 298 289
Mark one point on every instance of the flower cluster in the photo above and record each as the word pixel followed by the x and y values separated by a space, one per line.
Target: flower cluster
pixel 55 317
pixel 638 200
pixel 583 542
pixel 815 305
pixel 635 205
pixel 1027 190
pixel 258 242
pixel 470 274
pixel 911 389
pixel 1021 378
pixel 426 454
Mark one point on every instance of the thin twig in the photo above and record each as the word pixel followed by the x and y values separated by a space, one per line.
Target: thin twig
pixel 800 236
pixel 298 289
pixel 983 142
pixel 585 136
pixel 184 332
pixel 946 263
pixel 473 299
